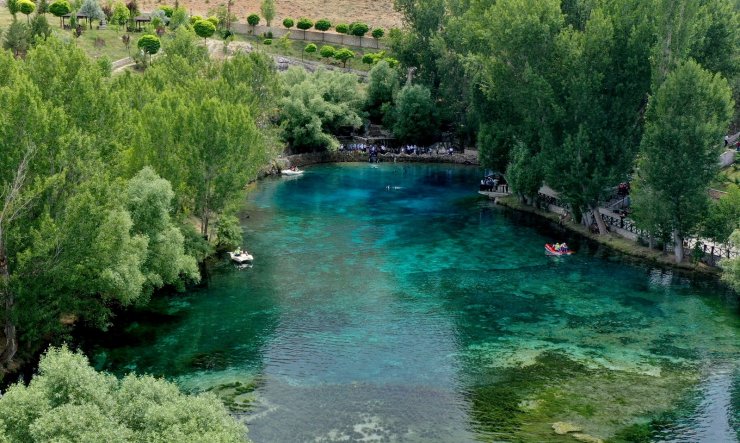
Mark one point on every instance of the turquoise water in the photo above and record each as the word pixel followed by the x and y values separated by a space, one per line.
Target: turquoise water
pixel 391 304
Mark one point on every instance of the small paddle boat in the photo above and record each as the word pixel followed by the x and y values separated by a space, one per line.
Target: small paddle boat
pixel 291 171
pixel 550 250
pixel 240 256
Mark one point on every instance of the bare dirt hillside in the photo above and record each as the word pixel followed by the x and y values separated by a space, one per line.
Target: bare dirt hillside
pixel 376 13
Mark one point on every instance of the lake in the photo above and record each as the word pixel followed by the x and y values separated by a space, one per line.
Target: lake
pixel 390 303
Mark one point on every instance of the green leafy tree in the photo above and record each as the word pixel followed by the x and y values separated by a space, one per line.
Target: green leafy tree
pixel 415 116
pixel 67 400
pixel 93 11
pixel 120 15
pixel 310 48
pixel 204 28
pixel 524 173
pixel 17 38
pixel 731 267
pixel 288 23
pixel 60 8
pixel 318 105
pixel 686 116
pixel 168 10
pixel 12 7
pixel 26 7
pixel 724 216
pixel 342 29
pixel 344 55
pixel 377 34
pixel 179 18
pixel 253 20
pixel 382 86
pixel 267 7
pixel 304 24
pixel 327 51
pixel 40 28
pixel 358 28
pixel 149 44
pixel 322 25
pixel 214 20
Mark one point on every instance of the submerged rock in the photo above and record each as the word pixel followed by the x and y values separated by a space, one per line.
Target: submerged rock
pixel 562 427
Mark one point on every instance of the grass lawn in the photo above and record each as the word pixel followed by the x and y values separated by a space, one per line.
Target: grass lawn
pixel 109 43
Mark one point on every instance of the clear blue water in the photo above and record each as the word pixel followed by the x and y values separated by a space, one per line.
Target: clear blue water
pixel 389 303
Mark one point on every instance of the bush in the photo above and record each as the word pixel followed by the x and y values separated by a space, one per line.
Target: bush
pixel 253 19
pixel 267 41
pixel 342 28
pixel 213 20
pixel 304 24
pixel 26 6
pixel 204 28
pixel 322 25
pixel 327 51
pixel 229 232
pixel 288 23
pixel 268 34
pixel 343 55
pixel 359 29
pixel 378 33
pixel 168 10
pixel 60 7
pixel 195 18
pixel 149 43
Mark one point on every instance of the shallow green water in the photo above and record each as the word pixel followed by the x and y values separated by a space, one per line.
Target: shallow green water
pixel 390 304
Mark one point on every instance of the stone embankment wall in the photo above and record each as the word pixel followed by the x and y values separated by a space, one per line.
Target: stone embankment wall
pixel 326 38
pixel 301 160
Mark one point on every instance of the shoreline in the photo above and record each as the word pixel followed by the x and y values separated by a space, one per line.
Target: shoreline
pixel 614 242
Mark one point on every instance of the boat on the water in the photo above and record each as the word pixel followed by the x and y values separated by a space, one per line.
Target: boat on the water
pixel 291 172
pixel 241 256
pixel 550 250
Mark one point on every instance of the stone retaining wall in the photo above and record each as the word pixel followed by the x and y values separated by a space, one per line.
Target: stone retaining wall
pixel 328 38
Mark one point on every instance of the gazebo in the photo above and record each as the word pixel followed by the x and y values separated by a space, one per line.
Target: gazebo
pixel 78 16
pixel 142 19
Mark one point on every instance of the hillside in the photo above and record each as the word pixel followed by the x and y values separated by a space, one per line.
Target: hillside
pixel 376 13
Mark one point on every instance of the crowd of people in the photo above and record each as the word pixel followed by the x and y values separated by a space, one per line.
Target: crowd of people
pixel 492 182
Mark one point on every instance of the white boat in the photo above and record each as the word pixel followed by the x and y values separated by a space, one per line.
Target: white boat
pixel 244 257
pixel 291 172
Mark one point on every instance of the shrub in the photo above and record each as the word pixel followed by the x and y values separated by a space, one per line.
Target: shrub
pixel 60 7
pixel 322 25
pixel 304 24
pixel 204 28
pixel 26 6
pixel 288 23
pixel 214 20
pixel 149 43
pixel 327 51
pixel 253 19
pixel 310 48
pixel 168 10
pixel 268 34
pixel 378 33
pixel 195 18
pixel 359 29
pixel 267 41
pixel 342 28
pixel 343 55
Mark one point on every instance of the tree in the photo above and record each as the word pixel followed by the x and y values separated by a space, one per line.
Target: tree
pixel 382 85
pixel 342 29
pixel 133 8
pixel 310 48
pixel 327 51
pixel 288 23
pixel 724 216
pixel 12 7
pixel 268 10
pixel 168 10
pixel 304 24
pixel 377 34
pixel 343 55
pixel 120 15
pixel 214 20
pixel 179 18
pixel 26 7
pixel 204 28
pixel 149 44
pixel 415 116
pixel 40 28
pixel 316 106
pixel 322 25
pixel 67 400
pixel 358 28
pixel 253 20
pixel 60 8
pixel 686 116
pixel 17 38
pixel 93 11
pixel 731 267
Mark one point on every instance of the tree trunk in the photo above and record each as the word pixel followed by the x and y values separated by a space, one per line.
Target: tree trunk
pixel 599 221
pixel 678 246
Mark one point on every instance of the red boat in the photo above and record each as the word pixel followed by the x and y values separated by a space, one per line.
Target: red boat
pixel 550 250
